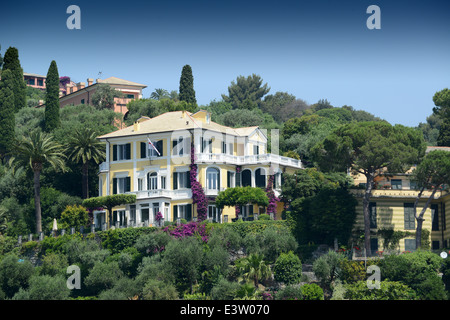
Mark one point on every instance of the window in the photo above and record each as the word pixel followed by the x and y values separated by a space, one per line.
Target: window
pixel 40 82
pixel 152 181
pixel 31 81
pixel 373 214
pixel 396 184
pixel 140 184
pixel 212 178
pixel 410 244
pixel 181 146
pixel 163 182
pixel 434 217
pixel 122 152
pixel 213 213
pixel 413 185
pixel 121 185
pixel 82 101
pixel 260 178
pixel 230 179
pixel 181 180
pixel 182 212
pixel 148 151
pixel 435 245
pixel 130 96
pixel 133 213
pixel 206 145
pixel 410 223
pixel 155 210
pixel 246 178
pixel 119 217
pixel 247 211
pixel 255 150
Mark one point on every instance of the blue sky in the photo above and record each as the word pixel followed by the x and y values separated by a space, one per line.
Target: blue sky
pixel 311 49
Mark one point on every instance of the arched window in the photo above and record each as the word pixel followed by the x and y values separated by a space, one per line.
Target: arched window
pixel 152 181
pixel 246 178
pixel 260 178
pixel 212 179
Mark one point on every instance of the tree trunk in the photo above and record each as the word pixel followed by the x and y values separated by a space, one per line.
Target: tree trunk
pixel 37 200
pixel 420 218
pixel 366 202
pixel 85 182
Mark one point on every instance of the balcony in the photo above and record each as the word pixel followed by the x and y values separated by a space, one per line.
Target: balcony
pixel 268 158
pixel 397 193
pixel 212 192
pixel 103 167
pixel 163 193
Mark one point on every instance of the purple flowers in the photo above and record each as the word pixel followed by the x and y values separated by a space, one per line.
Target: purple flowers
pixel 192 228
pixel 198 194
pixel 272 207
pixel 159 216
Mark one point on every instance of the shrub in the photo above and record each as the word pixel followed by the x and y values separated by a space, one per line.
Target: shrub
pixel 389 290
pixel 225 237
pixel 45 287
pixel 417 270
pixel 263 217
pixel 312 292
pixel 288 268
pixel 270 242
pixel 124 289
pixel 327 268
pixel 74 216
pixel 14 274
pixel 153 242
pixel 225 290
pixel 103 276
pixel 291 292
pixel 54 264
pixel 118 239
pixel 184 257
pixel 159 290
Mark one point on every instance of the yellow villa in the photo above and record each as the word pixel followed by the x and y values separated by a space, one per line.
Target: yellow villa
pixel 152 159
pixel 391 207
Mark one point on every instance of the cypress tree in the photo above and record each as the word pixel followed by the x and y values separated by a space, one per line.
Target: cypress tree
pixel 187 92
pixel 51 115
pixel 7 119
pixel 11 62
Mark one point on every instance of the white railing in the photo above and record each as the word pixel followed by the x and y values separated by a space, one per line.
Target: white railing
pixel 157 193
pixel 212 192
pixel 245 160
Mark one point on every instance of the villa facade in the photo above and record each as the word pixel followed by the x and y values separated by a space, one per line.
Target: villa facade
pixel 152 159
pixel 391 207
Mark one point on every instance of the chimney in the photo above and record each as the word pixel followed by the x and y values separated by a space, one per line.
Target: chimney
pixel 136 126
pixel 73 89
pixel 68 87
pixel 98 80
pixel 90 81
pixel 80 85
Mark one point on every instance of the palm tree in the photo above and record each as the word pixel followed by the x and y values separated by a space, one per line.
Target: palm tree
pixel 159 94
pixel 84 147
pixel 254 267
pixel 35 150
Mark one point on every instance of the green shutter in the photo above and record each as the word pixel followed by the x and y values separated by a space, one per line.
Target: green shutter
pixel 128 151
pixel 159 146
pixel 143 150
pixel 189 212
pixel 175 212
pixel 409 216
pixel 115 152
pixel 373 214
pixel 175 180
pixel 114 185
pixel 128 184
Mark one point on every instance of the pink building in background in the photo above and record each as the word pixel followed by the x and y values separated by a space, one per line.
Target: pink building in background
pixel 34 80
pixel 80 93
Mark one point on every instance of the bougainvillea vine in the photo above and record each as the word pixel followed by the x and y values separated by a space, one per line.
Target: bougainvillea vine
pixel 198 194
pixel 273 199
